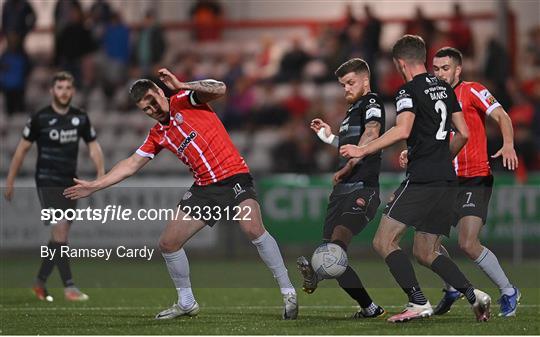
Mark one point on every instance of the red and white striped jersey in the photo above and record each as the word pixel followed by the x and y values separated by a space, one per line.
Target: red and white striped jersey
pixel 198 138
pixel 476 103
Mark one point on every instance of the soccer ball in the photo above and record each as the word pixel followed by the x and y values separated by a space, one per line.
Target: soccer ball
pixel 329 261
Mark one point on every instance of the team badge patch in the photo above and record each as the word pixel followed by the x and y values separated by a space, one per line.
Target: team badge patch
pixel 75 121
pixel 179 118
pixel 187 195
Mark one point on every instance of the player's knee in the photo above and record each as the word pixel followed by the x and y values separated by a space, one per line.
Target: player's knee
pixel 469 247
pixel 422 256
pixel 380 246
pixel 167 245
pixel 253 230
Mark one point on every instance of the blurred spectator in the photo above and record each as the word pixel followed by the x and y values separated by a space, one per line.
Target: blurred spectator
pixel 74 43
pixel 353 44
pixel 296 153
pixel 116 55
pixel 62 14
pixel 100 16
pixel 14 71
pixel 497 71
pixel 240 102
pixel 150 46
pixel 293 62
pixel 235 68
pixel 207 17
pixel 296 104
pixel 267 60
pixel 421 25
pixel 18 17
pixel 332 54
pixel 348 20
pixel 371 44
pixel 533 46
pixel 460 32
pixel 268 110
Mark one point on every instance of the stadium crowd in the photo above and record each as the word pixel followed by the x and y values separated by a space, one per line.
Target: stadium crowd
pixel 276 85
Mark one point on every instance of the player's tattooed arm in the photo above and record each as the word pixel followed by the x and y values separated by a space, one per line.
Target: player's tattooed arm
pixel 206 90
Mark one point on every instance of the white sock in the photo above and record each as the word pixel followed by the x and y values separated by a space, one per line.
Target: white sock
pixel 270 254
pixel 178 266
pixel 487 261
pixel 444 252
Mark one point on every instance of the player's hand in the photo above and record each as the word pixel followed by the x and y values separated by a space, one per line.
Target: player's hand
pixel 81 190
pixel 352 151
pixel 169 79
pixel 344 172
pixel 318 124
pixel 8 194
pixel 403 159
pixel 509 157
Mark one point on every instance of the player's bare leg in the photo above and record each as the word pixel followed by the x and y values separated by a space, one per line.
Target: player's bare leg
pixel 252 225
pixel 469 228
pixel 426 250
pixel 176 233
pixel 386 243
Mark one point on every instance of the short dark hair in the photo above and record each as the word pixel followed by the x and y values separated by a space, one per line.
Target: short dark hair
pixel 452 53
pixel 355 65
pixel 140 88
pixel 410 48
pixel 62 76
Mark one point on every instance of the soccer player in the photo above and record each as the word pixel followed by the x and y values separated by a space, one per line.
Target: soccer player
pixel 475 178
pixel 57 130
pixel 355 197
pixel 188 127
pixel 426 106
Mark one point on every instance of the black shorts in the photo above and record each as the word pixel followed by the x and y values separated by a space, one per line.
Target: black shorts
pixel 350 206
pixel 473 197
pixel 53 197
pixel 428 207
pixel 220 197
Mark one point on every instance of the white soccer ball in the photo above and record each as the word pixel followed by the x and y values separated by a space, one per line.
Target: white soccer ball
pixel 329 261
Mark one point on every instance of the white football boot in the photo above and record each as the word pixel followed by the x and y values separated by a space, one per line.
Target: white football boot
pixel 290 309
pixel 177 311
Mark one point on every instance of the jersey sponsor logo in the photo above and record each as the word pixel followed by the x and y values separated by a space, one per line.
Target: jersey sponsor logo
pixel 372 100
pixel 237 189
pixel 373 112
pixel 179 118
pixel 92 132
pixel 53 121
pixel 186 142
pixel 344 127
pixel 64 136
pixel 488 97
pixel 26 131
pixel 75 121
pixel 404 103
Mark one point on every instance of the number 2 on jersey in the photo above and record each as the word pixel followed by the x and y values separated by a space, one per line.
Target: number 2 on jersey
pixel 440 107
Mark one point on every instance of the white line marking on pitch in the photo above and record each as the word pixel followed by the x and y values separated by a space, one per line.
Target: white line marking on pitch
pixel 217 307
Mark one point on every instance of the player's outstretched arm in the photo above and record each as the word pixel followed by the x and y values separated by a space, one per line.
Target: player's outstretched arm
pixel 461 135
pixel 206 90
pixel 16 162
pixel 324 132
pixel 96 154
pixel 119 172
pixel 404 124
pixel 507 151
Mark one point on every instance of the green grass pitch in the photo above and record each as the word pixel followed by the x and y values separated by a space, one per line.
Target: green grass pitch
pixel 238 297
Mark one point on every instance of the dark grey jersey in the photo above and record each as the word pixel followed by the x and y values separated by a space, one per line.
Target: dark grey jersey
pixel 432 101
pixel 57 137
pixel 368 108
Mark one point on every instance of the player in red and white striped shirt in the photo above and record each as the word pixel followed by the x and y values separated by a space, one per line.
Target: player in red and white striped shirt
pixel 187 126
pixel 475 178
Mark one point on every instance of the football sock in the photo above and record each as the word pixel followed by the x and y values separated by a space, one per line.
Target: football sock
pixel 402 270
pixel 350 282
pixel 449 272
pixel 487 261
pixel 371 310
pixel 443 251
pixel 47 264
pixel 270 254
pixel 178 266
pixel 63 266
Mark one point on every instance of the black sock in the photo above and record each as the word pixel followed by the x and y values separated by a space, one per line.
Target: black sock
pixel 47 264
pixel 450 273
pixel 350 282
pixel 63 267
pixel 401 268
